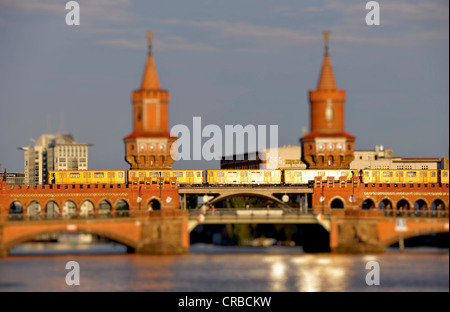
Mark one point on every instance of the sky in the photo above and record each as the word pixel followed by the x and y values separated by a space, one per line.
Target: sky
pixel 249 62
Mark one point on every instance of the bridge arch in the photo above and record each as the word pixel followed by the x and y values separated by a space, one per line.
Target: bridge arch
pixel 413 233
pixel 385 204
pixel 104 207
pixel 439 204
pixel 69 208
pixel 368 203
pixel 122 207
pixel 404 204
pixel 111 235
pixel 154 203
pixel 337 202
pixel 51 208
pixel 248 194
pixel 16 207
pixel 87 208
pixel 34 208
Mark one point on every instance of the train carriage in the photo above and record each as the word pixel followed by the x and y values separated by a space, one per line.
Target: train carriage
pixel 444 176
pixel 87 177
pixel 243 176
pixel 192 177
pixel 297 176
pixel 400 176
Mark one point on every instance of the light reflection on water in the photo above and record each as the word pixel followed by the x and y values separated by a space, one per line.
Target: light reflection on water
pixel 215 268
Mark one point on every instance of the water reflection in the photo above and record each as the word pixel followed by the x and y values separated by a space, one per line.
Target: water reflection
pixel 213 268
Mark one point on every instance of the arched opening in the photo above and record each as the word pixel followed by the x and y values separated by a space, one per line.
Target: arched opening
pixel 368 204
pixel 330 160
pixel 438 208
pixel 104 209
pixel 420 208
pixel 51 210
pixel 386 205
pixel 154 204
pixel 87 209
pixel 69 209
pixel 16 210
pixel 122 208
pixel 337 204
pixel 402 206
pixel 34 209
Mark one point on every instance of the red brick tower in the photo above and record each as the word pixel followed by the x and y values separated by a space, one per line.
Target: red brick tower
pixel 148 146
pixel 327 145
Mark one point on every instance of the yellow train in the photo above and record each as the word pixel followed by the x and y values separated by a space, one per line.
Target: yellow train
pixel 249 176
pixel 297 176
pixel 183 176
pixel 243 176
pixel 87 177
pixel 401 176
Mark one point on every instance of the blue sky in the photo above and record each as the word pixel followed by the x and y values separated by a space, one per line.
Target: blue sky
pixel 229 62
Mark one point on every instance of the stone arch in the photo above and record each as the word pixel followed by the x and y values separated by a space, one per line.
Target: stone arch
pixel 420 207
pixel 412 233
pixel 122 208
pixel 438 208
pixel 34 209
pixel 69 209
pixel 368 203
pixel 154 203
pixel 87 209
pixel 264 196
pixel 114 236
pixel 104 208
pixel 386 204
pixel 404 204
pixel 51 209
pixel 337 202
pixel 16 210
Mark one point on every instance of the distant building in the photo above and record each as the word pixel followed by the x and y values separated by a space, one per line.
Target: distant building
pixel 381 158
pixel 285 157
pixel 15 178
pixel 53 152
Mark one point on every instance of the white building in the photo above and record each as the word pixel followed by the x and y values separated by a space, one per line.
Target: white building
pixel 53 152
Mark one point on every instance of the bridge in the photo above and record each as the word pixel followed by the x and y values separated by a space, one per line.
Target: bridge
pixel 150 219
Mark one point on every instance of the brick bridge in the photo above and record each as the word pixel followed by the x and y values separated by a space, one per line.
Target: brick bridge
pixel 147 218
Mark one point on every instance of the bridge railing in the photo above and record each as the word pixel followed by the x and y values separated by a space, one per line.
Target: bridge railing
pixel 251 212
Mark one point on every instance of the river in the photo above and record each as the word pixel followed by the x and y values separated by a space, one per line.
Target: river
pixel 208 268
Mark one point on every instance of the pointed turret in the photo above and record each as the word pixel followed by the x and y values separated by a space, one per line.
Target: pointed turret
pixel 148 146
pixel 150 79
pixel 327 145
pixel 326 79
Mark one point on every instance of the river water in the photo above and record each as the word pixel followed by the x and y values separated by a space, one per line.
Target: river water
pixel 208 268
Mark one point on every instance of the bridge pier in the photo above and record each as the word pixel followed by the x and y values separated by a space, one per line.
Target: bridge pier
pixel 164 232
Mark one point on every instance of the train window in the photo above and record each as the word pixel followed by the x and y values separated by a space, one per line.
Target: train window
pixel 84 175
pixel 60 175
pixel 367 174
pixel 99 175
pixel 445 174
pixel 276 173
pixel 321 174
pixel 220 174
pixel 153 174
pixel 297 174
pixel 244 174
pixel 387 174
pixel 344 174
pixel 232 174
pixel 177 174
pixel 211 174
pixel 64 175
pixel 199 174
pixel 140 174
pixel 377 174
pixel 131 174
pixel 120 174
pixel 411 174
pixel 109 174
pixel 89 174
pixel 433 174
pixel 288 173
pixel 74 175
pixel 267 174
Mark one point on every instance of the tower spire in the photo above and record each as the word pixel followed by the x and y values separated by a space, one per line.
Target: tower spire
pixel 326 79
pixel 150 79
